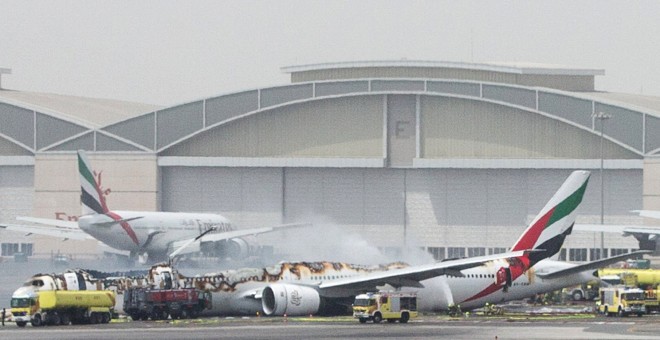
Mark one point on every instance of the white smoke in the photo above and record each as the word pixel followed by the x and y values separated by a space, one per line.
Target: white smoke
pixel 328 241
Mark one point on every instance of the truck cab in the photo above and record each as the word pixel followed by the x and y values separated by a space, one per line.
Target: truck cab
pixel 385 306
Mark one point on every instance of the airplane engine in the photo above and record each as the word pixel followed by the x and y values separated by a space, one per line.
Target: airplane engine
pixel 280 299
pixel 235 248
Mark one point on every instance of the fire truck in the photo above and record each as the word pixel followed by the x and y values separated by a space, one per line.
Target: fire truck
pixel 385 306
pixel 161 304
pixel 621 301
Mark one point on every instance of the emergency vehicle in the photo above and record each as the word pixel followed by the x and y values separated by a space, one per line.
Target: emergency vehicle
pixel 385 306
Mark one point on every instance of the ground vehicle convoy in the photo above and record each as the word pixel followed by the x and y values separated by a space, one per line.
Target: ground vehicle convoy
pixel 385 306
pixel 621 301
pixel 159 304
pixel 62 307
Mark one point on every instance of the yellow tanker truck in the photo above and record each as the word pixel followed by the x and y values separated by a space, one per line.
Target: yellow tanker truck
pixel 633 277
pixel 62 307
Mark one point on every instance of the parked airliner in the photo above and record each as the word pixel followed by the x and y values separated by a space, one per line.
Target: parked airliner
pixel 146 235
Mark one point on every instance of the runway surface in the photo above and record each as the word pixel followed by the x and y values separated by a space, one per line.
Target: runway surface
pixel 426 327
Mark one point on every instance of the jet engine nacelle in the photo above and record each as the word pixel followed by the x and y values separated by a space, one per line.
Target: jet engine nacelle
pixel 235 248
pixel 280 299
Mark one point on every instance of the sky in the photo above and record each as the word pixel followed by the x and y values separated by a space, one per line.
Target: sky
pixel 170 52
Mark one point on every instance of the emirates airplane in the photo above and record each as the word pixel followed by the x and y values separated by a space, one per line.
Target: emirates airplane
pixel 146 235
pixel 304 288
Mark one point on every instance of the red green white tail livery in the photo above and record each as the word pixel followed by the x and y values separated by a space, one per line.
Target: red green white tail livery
pixel 550 227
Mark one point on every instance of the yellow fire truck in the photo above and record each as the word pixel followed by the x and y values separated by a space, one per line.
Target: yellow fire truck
pixel 621 301
pixel 385 306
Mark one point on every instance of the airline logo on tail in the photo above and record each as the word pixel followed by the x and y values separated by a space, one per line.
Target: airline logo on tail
pixel 550 227
pixel 92 197
pixel 545 234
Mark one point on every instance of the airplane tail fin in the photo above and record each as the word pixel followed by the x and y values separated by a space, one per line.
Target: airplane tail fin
pixel 550 227
pixel 91 198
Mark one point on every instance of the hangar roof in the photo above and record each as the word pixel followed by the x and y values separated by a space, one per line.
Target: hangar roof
pixel 524 74
pixel 65 123
pixel 633 100
pixel 91 112
pixel 505 67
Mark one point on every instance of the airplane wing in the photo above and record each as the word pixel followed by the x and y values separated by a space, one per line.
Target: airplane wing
pixel 54 231
pixel 192 245
pixel 625 229
pixel 648 213
pixel 50 222
pixel 594 265
pixel 411 276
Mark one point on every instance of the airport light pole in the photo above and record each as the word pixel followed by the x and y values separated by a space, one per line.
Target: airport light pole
pixel 602 116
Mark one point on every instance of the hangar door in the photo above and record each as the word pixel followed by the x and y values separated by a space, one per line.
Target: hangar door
pixel 247 196
pixel 16 199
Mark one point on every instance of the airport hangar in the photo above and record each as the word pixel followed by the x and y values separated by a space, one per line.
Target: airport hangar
pixel 453 157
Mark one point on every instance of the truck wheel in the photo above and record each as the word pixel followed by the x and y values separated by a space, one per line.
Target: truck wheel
pixel 404 318
pixel 21 323
pixel 577 295
pixel 378 318
pixel 64 319
pixel 606 312
pixel 105 318
pixel 362 320
pixel 36 320
pixel 621 313
pixel 184 313
pixel 94 318
pixel 54 319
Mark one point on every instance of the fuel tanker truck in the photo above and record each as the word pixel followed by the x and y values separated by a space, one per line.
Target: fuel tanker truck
pixel 67 299
pixel 63 307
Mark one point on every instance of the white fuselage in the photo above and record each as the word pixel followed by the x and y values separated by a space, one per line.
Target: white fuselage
pixel 438 293
pixel 477 280
pixel 145 231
